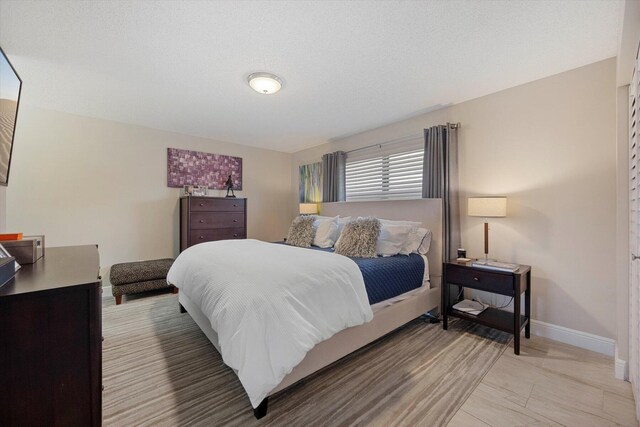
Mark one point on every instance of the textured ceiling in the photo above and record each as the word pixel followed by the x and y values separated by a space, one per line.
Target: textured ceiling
pixel 347 66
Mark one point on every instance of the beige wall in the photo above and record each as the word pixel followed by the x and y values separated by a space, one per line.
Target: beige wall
pixel 550 147
pixel 80 180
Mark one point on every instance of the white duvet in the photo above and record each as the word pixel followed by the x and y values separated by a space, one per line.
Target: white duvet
pixel 270 303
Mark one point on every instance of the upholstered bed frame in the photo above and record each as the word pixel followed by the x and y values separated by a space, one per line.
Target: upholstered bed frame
pixel 386 319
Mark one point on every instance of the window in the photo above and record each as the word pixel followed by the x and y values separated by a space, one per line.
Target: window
pixel 391 171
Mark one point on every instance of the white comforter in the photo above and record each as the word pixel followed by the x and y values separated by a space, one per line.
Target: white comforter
pixel 270 303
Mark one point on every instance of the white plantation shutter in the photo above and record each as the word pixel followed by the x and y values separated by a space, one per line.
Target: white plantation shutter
pixel 390 171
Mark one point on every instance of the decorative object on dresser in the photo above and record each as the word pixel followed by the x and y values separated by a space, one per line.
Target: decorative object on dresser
pixel 10 236
pixel 229 185
pixel 27 250
pixel 487 207
pixel 51 341
pixel 185 167
pixel 206 219
pixel 510 284
pixel 136 277
pixel 200 190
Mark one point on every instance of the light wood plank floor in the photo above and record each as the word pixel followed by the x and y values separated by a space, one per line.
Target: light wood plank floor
pixel 549 384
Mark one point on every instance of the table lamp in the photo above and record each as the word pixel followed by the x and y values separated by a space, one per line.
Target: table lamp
pixel 308 208
pixel 487 207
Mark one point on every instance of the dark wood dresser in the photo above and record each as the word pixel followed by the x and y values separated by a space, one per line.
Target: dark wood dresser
pixel 205 219
pixel 51 341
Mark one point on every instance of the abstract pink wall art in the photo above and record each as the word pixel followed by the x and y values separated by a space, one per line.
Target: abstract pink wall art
pixel 186 167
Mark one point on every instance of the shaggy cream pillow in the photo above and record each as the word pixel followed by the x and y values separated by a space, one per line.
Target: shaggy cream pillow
pixel 358 238
pixel 301 232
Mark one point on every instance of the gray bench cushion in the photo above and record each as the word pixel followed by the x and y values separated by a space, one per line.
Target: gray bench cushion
pixel 142 271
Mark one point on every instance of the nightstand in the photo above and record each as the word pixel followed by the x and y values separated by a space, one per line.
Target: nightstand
pixel 497 282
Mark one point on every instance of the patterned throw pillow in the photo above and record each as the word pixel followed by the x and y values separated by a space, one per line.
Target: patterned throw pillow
pixel 358 238
pixel 301 232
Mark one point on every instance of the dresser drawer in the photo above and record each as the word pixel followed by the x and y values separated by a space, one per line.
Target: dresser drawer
pixel 204 204
pixel 200 236
pixel 481 280
pixel 205 220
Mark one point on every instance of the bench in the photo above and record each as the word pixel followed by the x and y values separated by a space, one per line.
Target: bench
pixel 142 276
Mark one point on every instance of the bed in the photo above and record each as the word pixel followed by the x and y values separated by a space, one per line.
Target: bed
pixel 387 314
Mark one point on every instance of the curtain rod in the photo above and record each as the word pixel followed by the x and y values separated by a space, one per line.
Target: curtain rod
pixel 397 140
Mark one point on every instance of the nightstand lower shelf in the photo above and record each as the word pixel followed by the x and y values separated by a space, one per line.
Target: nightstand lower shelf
pixel 494 318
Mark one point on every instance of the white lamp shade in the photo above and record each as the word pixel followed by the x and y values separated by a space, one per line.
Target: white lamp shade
pixel 265 83
pixel 308 208
pixel 487 207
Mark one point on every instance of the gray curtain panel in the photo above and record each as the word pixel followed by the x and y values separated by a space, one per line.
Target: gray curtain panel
pixel 333 177
pixel 440 180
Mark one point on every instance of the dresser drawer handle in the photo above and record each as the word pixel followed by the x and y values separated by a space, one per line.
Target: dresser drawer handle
pixel 476 279
pixel 201 221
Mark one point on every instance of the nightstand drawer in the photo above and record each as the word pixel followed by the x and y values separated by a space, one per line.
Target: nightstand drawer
pixel 481 280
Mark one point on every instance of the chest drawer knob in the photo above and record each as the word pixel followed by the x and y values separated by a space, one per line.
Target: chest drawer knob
pixel 476 279
pixel 201 204
pixel 201 237
pixel 235 220
pixel 201 221
pixel 235 206
pixel 235 235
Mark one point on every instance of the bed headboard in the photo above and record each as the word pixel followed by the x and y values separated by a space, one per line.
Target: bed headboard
pixel 426 211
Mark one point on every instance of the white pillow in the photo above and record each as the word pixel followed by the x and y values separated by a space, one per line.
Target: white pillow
pixel 342 221
pixel 326 231
pixel 419 242
pixel 395 236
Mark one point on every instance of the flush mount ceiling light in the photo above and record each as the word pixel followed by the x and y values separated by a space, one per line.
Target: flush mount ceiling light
pixel 265 83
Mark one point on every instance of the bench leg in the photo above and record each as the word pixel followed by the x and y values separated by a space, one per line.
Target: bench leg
pixel 174 290
pixel 118 299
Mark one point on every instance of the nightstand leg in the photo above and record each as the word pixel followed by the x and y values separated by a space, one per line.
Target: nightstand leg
pixel 516 319
pixel 527 306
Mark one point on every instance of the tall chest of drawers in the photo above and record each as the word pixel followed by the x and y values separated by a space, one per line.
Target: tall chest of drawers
pixel 205 219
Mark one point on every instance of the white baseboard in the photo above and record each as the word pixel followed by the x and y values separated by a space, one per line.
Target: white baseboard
pixel 621 367
pixel 106 292
pixel 575 338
